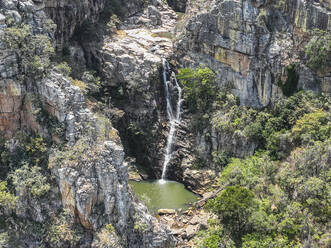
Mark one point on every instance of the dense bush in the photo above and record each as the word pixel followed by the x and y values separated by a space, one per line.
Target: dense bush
pixel 30 180
pixel 318 51
pixel 234 206
pixel 199 88
pixel 278 128
pixel 281 195
pixel 271 204
pixel 64 68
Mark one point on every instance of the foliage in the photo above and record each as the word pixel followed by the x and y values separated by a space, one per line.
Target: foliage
pixel 265 241
pixel 280 196
pixel 36 150
pixel 64 68
pixel 245 172
pixel 63 231
pixel 33 50
pixel 7 200
pixel 139 224
pixel 110 228
pixel 221 158
pixel 312 127
pixel 214 237
pixel 199 88
pixel 31 150
pixel 107 238
pixel 234 206
pixel 278 128
pixel 91 78
pixel 31 180
pixel 318 51
pixel 4 239
pixel 288 203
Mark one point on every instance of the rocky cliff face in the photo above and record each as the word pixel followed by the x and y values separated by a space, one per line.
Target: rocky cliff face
pixel 87 160
pixel 250 45
pixel 244 43
pixel 70 15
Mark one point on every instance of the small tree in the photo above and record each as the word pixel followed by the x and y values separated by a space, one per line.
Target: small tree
pixel 234 206
pixel 199 87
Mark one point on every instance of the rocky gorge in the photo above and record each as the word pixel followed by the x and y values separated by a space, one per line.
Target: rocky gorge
pixel 82 108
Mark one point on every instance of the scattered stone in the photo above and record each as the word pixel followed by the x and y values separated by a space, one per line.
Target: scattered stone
pixel 166 211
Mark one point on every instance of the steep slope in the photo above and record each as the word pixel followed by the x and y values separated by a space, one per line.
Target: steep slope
pixel 84 176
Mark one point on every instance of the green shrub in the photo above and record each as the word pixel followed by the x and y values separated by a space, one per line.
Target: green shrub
pixel 200 88
pixel 221 159
pixel 64 68
pixel 33 51
pixel 110 228
pixel 36 150
pixel 312 127
pixel 7 200
pixel 318 51
pixel 234 206
pixel 257 240
pixel 279 144
pixel 113 23
pixel 244 172
pixel 31 180
pixel 63 231
pixel 4 240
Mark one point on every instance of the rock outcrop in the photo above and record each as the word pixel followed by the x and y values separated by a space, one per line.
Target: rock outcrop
pixel 250 43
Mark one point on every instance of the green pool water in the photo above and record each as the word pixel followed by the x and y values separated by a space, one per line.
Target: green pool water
pixel 163 194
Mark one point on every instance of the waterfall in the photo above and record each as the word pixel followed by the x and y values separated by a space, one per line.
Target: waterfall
pixel 174 119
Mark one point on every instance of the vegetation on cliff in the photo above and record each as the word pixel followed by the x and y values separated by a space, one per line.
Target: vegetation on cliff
pixel 280 196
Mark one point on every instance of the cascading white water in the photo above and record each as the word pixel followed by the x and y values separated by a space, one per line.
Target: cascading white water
pixel 174 120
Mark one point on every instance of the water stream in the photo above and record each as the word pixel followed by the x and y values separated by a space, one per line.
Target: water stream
pixel 174 119
pixel 164 193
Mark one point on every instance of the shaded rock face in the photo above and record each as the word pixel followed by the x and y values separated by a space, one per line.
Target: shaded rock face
pixel 249 44
pixel 178 5
pixel 69 14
